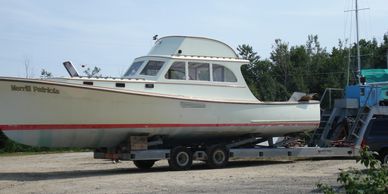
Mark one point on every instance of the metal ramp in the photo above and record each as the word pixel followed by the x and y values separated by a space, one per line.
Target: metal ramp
pixel 327 118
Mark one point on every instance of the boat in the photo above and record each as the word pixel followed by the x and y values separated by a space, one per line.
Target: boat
pixel 186 89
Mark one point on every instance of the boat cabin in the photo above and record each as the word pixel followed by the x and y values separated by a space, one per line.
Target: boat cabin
pixel 189 67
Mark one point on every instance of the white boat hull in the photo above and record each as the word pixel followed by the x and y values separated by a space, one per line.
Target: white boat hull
pixel 66 115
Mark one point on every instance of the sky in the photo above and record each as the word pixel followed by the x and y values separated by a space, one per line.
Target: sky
pixel 110 34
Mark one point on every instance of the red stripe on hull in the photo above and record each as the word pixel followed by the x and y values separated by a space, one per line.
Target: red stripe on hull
pixel 116 126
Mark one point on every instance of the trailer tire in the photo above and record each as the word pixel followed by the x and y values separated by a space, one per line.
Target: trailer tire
pixel 181 158
pixel 144 164
pixel 217 156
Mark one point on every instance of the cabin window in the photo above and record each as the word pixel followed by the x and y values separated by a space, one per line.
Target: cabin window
pixel 133 69
pixel 120 85
pixel 152 68
pixel 199 71
pixel 88 83
pixel 223 74
pixel 176 71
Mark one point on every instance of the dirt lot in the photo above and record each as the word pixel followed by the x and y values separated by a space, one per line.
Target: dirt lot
pixel 80 173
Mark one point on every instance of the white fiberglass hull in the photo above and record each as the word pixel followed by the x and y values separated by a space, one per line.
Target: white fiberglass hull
pixel 42 113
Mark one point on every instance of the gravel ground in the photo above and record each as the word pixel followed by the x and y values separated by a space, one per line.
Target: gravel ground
pixel 80 173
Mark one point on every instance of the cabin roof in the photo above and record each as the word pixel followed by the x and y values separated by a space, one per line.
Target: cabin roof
pixel 192 46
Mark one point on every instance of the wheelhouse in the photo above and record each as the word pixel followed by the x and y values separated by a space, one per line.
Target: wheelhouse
pixel 175 70
pixel 184 67
pixel 188 58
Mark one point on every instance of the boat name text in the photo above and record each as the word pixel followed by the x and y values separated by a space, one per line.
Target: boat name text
pixel 28 88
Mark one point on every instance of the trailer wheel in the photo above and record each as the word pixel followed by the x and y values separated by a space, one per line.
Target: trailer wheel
pixel 384 157
pixel 144 164
pixel 217 156
pixel 181 158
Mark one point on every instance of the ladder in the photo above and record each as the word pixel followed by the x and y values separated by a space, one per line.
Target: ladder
pixel 364 115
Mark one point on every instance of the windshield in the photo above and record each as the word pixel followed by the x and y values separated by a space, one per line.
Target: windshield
pixel 152 68
pixel 133 69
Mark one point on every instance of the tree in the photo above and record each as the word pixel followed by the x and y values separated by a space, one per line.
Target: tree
pixel 259 76
pixel 93 72
pixel 246 52
pixel 281 61
pixel 45 74
pixel 300 62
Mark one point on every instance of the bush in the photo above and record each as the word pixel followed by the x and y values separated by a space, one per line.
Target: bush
pixel 373 179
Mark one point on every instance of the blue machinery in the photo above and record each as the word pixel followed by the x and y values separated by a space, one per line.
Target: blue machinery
pixel 345 123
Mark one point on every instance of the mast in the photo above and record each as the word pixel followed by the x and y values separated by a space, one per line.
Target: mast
pixel 358 45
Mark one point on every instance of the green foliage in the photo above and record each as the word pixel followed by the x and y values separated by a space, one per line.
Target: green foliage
pixel 368 159
pixel 93 72
pixel 306 68
pixel 45 74
pixel 373 180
